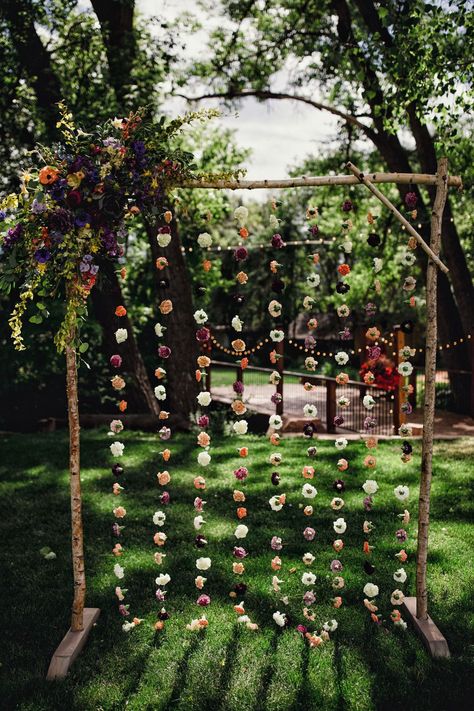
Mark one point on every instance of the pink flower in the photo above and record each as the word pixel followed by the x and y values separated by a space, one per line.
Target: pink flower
pixel 115 361
pixel 203 600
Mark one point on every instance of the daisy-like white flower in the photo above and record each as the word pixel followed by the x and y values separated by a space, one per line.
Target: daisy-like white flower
pixel 308 578
pixel 200 316
pixel 343 401
pixel 308 558
pixel 341 358
pixel 370 487
pixel 277 335
pixel 117 449
pixel 121 335
pixel 274 378
pixel 401 492
pixel 204 240
pixel 308 302
pixel 400 575
pixel 159 518
pixel 330 626
pixel 405 369
pixel 408 259
pixel 204 398
pixel 343 311
pixel 406 352
pixel 237 324
pixel 341 443
pixel 310 410
pixel 203 458
pixel 240 427
pixel 378 265
pixel 313 280
pixel 368 402
pixel 339 525
pixel 275 421
pixel 275 458
pixel 273 222
pixel 309 491
pixel 371 590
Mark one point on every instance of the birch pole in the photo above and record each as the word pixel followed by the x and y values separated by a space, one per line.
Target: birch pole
pixel 430 388
pixel 77 538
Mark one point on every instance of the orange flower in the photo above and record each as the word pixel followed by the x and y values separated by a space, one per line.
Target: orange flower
pixel 203 439
pixel 238 407
pixel 166 454
pixel 239 609
pixel 116 489
pixel 160 373
pixel 412 301
pixel 276 563
pixel 371 442
pixel 120 311
pixel 161 263
pixel 241 512
pixel 402 556
pixel 337 602
pixel 244 363
pixel 308 472
pixel 198 376
pixel 342 378
pixel 199 482
pixel 168 216
pixel 120 512
pixel 48 175
pixel 159 625
pixel 369 378
pixel 370 461
pixel 374 617
pixel 117 549
pixel 243 451
pixel 273 357
pixel 238 345
pixel 242 278
pixel 372 333
pixel 159 538
pixel 344 269
pixel 166 306
pixel 134 210
pixel 395 616
pixel 275 439
pixel 274 266
pixel 238 496
pixel 122 406
pixel 117 382
pixel 243 232
pixel 123 272
pixel 367 549
pixel 163 478
pixel 207 265
pixel 238 568
pixel 308 510
pixel 164 414
pixel 203 361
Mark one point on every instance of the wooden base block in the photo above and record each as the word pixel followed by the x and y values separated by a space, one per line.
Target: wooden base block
pixel 430 635
pixel 71 646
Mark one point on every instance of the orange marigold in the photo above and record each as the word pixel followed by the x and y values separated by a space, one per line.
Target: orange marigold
pixel 344 269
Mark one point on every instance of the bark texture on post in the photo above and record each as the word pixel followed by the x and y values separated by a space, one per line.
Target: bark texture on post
pixel 77 540
pixel 430 385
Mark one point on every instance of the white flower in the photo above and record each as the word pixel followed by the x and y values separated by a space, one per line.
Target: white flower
pixel 371 590
pixel 203 563
pixel 368 402
pixel 370 486
pixel 408 259
pixel 343 311
pixel 117 122
pixel 204 398
pixel 241 214
pixel 337 503
pixel 343 401
pixel 341 443
pixel 159 329
pixel 402 492
pixel 308 578
pixel 121 335
pixel 276 422
pixel 341 357
pixel 313 280
pixel 200 316
pixel 339 525
pixel 275 458
pixel 405 369
pixel 275 503
pixel 276 335
pixel 280 618
pixel 204 458
pixel 400 575
pixel 401 623
pixel 308 558
pixel 127 626
pixel 310 363
pixel 308 302
pixel 405 430
pixel 273 222
pixel 159 518
pixel 330 626
pixel 309 491
pixel 237 323
pixel 274 378
pixel 240 427
pixel 160 392
pixel 204 239
pixel 241 531
pixel 274 308
pixel 163 239
pixel 117 449
pixel 397 597
pixel 163 579
pixel 406 352
pixel 378 265
pixel 310 410
pixel 119 572
pixel 198 522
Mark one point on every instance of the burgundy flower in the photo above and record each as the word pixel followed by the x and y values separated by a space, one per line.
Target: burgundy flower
pixel 241 254
pixel 239 552
pixel 240 589
pixel 309 429
pixel 407 448
pixel 301 629
pixel 203 421
pixel 309 533
pixel 200 541
pixel 370 423
pixel 203 335
pixel 241 473
pixel 338 420
pixel 276 398
pixel 164 498
pixel 117 470
pixel 198 503
pixel 342 287
pixel 278 286
pixel 336 566
pixel 164 351
pixel 401 535
pixel 339 485
pixel 277 241
pixel 275 478
pixel 368 501
pixel 374 352
pixel 411 200
pixel 203 600
pixel 309 597
pixel 238 387
pixel 163 615
pixel 370 309
pixel 373 240
pixel 369 568
pixel 74 198
pixel 165 230
pixel 347 206
pixel 314 230
pixel 123 610
pixel 115 361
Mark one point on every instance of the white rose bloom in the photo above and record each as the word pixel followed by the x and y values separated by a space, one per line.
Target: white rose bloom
pixel 378 265
pixel 368 402
pixel 160 392
pixel 204 240
pixel 241 214
pixel 240 427
pixel 308 558
pixel 159 518
pixel 241 531
pixel 341 358
pixel 276 335
pixel 402 492
pixel 204 458
pixel 274 308
pixel 117 449
pixel 341 443
pixel 310 363
pixel 275 503
pixel 203 563
pixel 280 618
pixel 400 575
pixel 339 525
pixel 309 491
pixel 310 410
pixel 313 280
pixel 330 626
pixel 159 329
pixel 163 579
pixel 204 398
pixel 405 369
pixel 370 487
pixel 273 222
pixel 121 335
pixel 237 324
pixel 371 590
pixel 198 522
pixel 276 422
pixel 308 578
pixel 200 316
pixel 119 572
pixel 163 239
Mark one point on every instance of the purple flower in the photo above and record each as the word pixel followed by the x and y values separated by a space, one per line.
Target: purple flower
pixel 240 589
pixel 347 206
pixel 203 600
pixel 164 498
pixel 238 387
pixel 115 361
pixel 42 255
pixel 309 429
pixel 241 473
pixel 411 200
pixel 276 543
pixel 401 535
pixel 164 351
pixel 301 629
pixel 314 230
pixel 345 335
pixel 277 241
pixel 82 218
pixel 309 597
pixel 276 398
pixel 203 421
pixel 406 408
pixel 336 566
pixel 239 552
pixel 111 142
pixel 163 614
pixel 37 207
pixel 241 254
pixel 13 235
pixel 309 533
pixel 275 478
pixel 160 595
pixel 370 309
pixel 60 221
pixel 278 286
pixel 203 335
pixel 309 342
pixel 3 214
pixel 374 352
pixel 370 423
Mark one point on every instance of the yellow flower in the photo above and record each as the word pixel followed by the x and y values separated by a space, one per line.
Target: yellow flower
pixel 73 180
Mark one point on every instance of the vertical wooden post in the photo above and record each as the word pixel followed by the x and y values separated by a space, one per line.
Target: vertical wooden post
pixel 399 394
pixel 430 383
pixel 330 406
pixel 77 617
pixel 280 349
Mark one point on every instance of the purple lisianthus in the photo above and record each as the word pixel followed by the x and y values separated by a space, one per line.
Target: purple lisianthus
pixel 203 421
pixel 347 206
pixel 336 566
pixel 82 218
pixel 238 387
pixel 203 335
pixel 339 485
pixel 116 530
pixel 309 597
pixel 239 552
pixel 13 235
pixel 58 190
pixel 241 254
pixel 203 600
pixel 37 207
pixel 277 241
pixel 60 221
pixel 42 255
pixel 164 351
pixel 111 142
pixel 241 473
pixel 406 408
pixel 345 335
pixel 3 213
pixel 370 423
pixel 309 533
pixel 278 285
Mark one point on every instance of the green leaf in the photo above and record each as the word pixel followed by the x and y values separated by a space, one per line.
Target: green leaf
pixel 37 318
pixel 83 347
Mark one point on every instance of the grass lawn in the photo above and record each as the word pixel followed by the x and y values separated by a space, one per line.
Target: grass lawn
pixel 364 667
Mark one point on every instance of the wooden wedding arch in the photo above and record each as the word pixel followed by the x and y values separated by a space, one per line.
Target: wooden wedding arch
pixel 82 618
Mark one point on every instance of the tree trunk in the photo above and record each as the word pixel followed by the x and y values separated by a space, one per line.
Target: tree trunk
pixel 182 387
pixel 77 540
pixel 430 392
